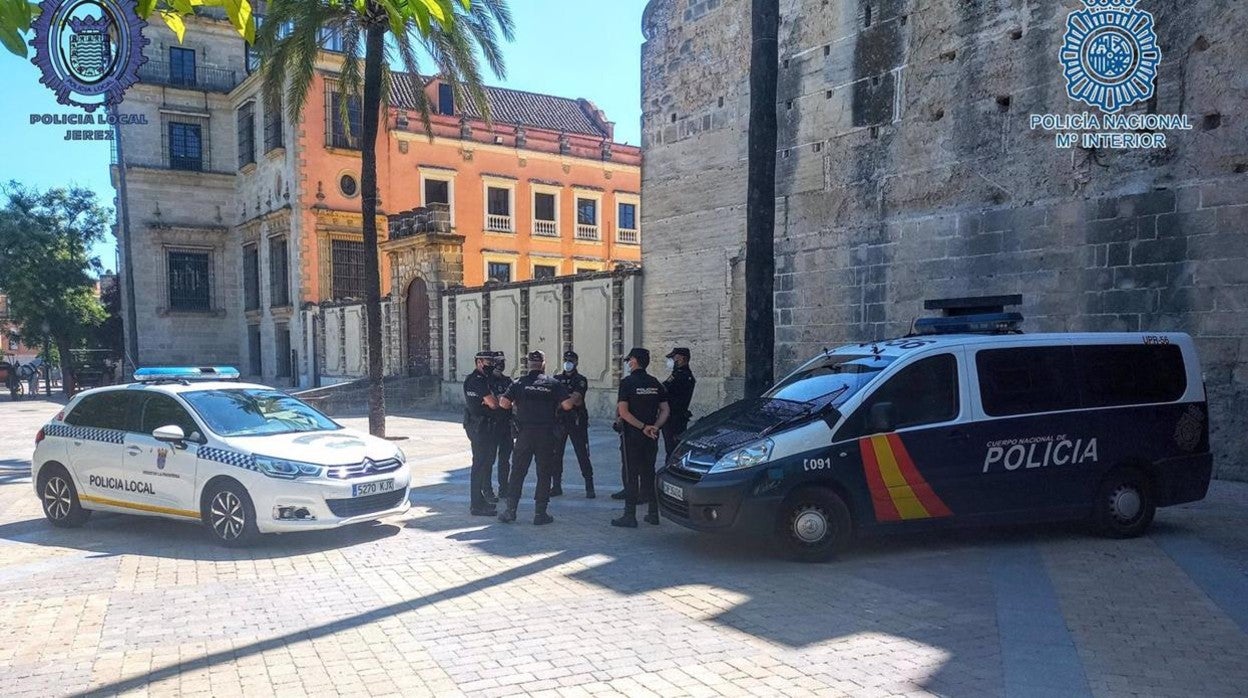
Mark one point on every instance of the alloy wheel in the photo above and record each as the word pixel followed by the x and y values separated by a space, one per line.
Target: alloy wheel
pixel 810 525
pixel 227 515
pixel 56 498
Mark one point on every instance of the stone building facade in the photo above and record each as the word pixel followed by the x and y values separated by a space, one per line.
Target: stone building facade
pixel 907 169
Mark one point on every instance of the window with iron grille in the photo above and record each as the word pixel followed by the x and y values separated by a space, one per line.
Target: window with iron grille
pixel 273 122
pixel 279 273
pixel 499 201
pixel 332 39
pixel 254 350
pixel 281 349
pixel 188 281
pixel 251 277
pixel 544 271
pixel 500 271
pixel 347 257
pixel 336 132
pixel 586 211
pixel 628 216
pixel 186 146
pixel 247 134
pixel 182 66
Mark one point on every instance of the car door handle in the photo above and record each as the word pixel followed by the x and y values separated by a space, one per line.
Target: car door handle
pixel 134 450
pixel 77 443
pixel 959 435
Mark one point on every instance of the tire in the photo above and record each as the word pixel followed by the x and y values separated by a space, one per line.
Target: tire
pixel 229 515
pixel 1124 506
pixel 59 498
pixel 814 525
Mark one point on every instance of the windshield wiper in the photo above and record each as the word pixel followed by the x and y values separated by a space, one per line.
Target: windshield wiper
pixel 808 411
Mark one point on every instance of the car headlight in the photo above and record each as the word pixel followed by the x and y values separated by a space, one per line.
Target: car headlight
pixel 748 457
pixel 287 469
pixel 401 455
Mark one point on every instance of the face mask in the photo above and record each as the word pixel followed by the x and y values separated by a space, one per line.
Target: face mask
pixel 568 366
pixel 488 368
pixel 626 368
pixel 671 363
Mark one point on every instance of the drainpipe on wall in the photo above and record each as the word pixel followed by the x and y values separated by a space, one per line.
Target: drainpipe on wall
pixel 123 212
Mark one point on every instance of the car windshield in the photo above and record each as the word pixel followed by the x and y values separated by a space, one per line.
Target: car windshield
pixel 831 379
pixel 256 412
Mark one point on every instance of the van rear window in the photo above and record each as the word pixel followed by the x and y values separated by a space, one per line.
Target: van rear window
pixel 1030 380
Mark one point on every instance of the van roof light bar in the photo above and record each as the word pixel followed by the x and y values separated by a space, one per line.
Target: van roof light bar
pixel 980 305
pixel 983 323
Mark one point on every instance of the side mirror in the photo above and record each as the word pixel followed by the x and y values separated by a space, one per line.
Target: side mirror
pixel 170 433
pixel 880 418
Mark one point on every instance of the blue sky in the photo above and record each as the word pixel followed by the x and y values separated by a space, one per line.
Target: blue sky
pixel 570 48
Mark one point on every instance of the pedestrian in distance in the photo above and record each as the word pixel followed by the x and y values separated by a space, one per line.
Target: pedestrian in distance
pixel 503 428
pixel 535 399
pixel 643 410
pixel 575 426
pixel 679 385
pixel 480 404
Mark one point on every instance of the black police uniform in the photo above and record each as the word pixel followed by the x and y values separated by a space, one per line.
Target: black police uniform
pixel 643 393
pixel 535 398
pixel 679 388
pixel 499 383
pixel 575 427
pixel 479 424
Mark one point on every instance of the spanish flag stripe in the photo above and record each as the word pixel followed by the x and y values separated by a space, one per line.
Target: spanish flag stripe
pixel 931 502
pixel 908 505
pixel 880 500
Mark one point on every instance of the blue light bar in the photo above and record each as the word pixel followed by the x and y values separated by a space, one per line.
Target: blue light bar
pixel 969 324
pixel 186 373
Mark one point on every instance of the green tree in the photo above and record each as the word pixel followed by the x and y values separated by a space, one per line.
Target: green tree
pixel 16 17
pixel 46 267
pixel 451 37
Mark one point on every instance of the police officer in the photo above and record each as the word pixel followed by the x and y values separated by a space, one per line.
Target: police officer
pixel 679 387
pixel 643 410
pixel 499 383
pixel 480 404
pixel 535 399
pixel 575 426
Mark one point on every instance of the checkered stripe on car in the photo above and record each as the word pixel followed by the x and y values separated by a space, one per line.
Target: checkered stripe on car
pixel 110 436
pixel 234 458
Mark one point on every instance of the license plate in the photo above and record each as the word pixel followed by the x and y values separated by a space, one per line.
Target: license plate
pixel 673 491
pixel 363 489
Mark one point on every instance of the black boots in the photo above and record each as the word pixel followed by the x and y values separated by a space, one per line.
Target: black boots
pixel 556 489
pixel 618 495
pixel 541 518
pixel 652 517
pixel 589 488
pixel 629 519
pixel 509 514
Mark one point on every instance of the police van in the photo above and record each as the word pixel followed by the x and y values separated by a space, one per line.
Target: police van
pixel 964 420
pixel 195 444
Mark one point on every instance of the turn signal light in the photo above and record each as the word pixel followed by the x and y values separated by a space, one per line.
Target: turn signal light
pixel 39 436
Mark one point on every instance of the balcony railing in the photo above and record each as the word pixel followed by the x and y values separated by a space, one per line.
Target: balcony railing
pixel 202 79
pixel 586 232
pixel 627 236
pixel 549 229
pixel 434 218
pixel 498 224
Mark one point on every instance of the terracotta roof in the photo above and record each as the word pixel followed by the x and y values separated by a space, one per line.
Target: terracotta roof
pixel 509 106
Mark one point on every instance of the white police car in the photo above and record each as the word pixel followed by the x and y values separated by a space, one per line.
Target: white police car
pixel 195 444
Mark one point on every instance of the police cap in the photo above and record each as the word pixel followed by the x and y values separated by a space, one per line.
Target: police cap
pixel 679 351
pixel 487 354
pixel 570 355
pixel 642 356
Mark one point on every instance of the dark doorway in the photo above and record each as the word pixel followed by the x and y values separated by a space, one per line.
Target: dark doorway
pixel 418 329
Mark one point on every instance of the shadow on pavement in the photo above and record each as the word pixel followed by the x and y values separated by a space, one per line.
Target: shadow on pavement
pixel 14 469
pixel 110 534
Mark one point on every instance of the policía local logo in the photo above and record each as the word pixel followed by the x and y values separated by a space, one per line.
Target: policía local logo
pixel 1110 54
pixel 89 50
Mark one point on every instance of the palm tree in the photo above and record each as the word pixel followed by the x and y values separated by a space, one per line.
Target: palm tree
pixel 451 37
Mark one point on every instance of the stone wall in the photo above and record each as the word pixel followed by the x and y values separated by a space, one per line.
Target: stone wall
pixel 907 170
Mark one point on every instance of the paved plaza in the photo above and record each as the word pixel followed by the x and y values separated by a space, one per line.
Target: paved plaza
pixel 440 603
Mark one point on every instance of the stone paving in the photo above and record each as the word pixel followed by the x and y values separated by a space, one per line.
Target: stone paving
pixel 440 603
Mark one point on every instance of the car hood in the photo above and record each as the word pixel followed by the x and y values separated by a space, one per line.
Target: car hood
pixel 342 447
pixel 739 423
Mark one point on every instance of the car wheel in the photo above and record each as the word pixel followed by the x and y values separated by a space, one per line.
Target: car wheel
pixel 814 524
pixel 229 515
pixel 1124 506
pixel 59 498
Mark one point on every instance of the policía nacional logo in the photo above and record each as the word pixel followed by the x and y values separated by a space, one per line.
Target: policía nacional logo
pixel 1110 54
pixel 89 50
